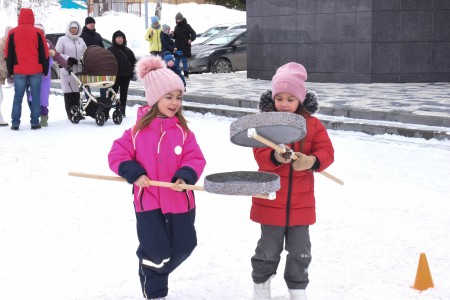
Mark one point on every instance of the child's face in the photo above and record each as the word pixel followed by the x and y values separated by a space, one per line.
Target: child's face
pixel 170 63
pixel 285 102
pixel 170 103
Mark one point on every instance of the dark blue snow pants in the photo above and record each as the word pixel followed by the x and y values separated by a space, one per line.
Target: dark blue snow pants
pixel 165 241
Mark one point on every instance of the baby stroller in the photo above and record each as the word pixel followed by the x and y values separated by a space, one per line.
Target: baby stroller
pixel 99 70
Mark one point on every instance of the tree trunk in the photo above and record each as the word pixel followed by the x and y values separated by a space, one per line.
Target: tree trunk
pixel 158 9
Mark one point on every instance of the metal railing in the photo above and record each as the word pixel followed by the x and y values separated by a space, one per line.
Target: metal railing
pixel 99 7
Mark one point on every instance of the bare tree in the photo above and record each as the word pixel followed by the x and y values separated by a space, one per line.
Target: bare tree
pixel 40 8
pixel 158 9
pixel 104 6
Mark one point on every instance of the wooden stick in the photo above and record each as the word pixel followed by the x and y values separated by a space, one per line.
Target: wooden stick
pixel 254 135
pixel 152 182
pixel 270 196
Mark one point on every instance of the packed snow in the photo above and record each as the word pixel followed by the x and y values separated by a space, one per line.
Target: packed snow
pixel 66 237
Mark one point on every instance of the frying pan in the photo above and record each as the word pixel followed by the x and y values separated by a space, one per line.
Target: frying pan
pixel 244 183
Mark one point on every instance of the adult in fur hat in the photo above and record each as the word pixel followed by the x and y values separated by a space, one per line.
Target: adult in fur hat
pixel 160 147
pixel 293 210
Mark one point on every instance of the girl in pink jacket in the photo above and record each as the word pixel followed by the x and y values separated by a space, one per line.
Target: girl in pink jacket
pixel 160 147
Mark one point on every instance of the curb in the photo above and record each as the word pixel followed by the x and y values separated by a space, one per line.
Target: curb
pixel 346 118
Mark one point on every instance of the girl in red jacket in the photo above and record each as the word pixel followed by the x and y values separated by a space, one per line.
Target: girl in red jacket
pixel 285 221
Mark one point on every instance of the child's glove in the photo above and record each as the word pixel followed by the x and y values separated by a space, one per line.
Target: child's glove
pixel 304 162
pixel 285 157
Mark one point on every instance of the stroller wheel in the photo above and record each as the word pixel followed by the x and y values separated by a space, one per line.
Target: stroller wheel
pixel 75 114
pixel 117 116
pixel 100 117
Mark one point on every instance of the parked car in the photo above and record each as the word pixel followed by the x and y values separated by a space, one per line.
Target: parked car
pixel 223 53
pixel 216 29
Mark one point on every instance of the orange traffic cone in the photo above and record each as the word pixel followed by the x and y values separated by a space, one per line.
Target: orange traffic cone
pixel 423 276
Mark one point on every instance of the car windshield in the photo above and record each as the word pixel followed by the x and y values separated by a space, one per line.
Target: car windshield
pixel 222 38
pixel 213 31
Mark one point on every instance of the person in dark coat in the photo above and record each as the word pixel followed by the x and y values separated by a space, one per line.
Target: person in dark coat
pixel 168 45
pixel 183 35
pixel 91 37
pixel 125 66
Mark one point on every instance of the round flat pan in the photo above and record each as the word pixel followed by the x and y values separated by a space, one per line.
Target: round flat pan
pixel 244 183
pixel 278 127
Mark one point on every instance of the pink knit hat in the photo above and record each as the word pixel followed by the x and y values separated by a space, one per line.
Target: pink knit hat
pixel 290 78
pixel 158 80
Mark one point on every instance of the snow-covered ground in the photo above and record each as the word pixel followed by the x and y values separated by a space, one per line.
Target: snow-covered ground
pixel 68 238
pixel 64 237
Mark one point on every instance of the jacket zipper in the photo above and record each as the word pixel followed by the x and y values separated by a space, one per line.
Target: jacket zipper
pixel 288 202
pixel 289 195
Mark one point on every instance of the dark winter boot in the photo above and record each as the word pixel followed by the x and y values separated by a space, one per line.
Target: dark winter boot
pixel 186 74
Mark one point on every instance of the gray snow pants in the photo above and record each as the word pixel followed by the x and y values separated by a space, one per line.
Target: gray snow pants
pixel 267 255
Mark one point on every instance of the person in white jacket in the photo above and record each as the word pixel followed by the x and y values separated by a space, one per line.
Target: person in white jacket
pixel 71 46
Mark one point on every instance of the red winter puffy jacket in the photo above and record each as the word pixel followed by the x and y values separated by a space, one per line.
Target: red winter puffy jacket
pixel 295 202
pixel 26 49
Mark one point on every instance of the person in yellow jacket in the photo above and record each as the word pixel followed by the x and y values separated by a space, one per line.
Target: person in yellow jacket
pixel 153 35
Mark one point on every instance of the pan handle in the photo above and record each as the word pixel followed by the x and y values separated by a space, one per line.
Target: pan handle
pixel 152 182
pixel 252 133
pixel 269 196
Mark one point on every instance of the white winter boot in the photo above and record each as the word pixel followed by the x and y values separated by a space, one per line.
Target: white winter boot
pixel 297 294
pixel 262 290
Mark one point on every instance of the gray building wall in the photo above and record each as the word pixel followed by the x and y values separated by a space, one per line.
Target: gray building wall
pixel 359 41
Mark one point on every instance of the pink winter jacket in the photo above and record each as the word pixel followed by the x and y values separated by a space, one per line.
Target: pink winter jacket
pixel 164 151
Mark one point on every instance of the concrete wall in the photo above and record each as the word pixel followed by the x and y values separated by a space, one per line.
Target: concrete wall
pixel 351 40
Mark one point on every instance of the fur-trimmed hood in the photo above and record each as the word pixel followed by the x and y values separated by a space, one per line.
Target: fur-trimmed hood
pixel 310 104
pixel 71 36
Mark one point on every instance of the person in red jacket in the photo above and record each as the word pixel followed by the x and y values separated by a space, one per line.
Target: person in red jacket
pixel 26 53
pixel 285 221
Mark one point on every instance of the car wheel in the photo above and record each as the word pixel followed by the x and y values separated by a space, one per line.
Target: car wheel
pixel 222 66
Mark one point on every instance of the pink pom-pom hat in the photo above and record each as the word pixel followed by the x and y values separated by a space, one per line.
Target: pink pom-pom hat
pixel 158 80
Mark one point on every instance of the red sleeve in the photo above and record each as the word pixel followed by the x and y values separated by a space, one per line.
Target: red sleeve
pixel 322 147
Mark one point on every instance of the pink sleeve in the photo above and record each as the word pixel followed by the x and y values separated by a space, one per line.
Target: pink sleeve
pixel 122 150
